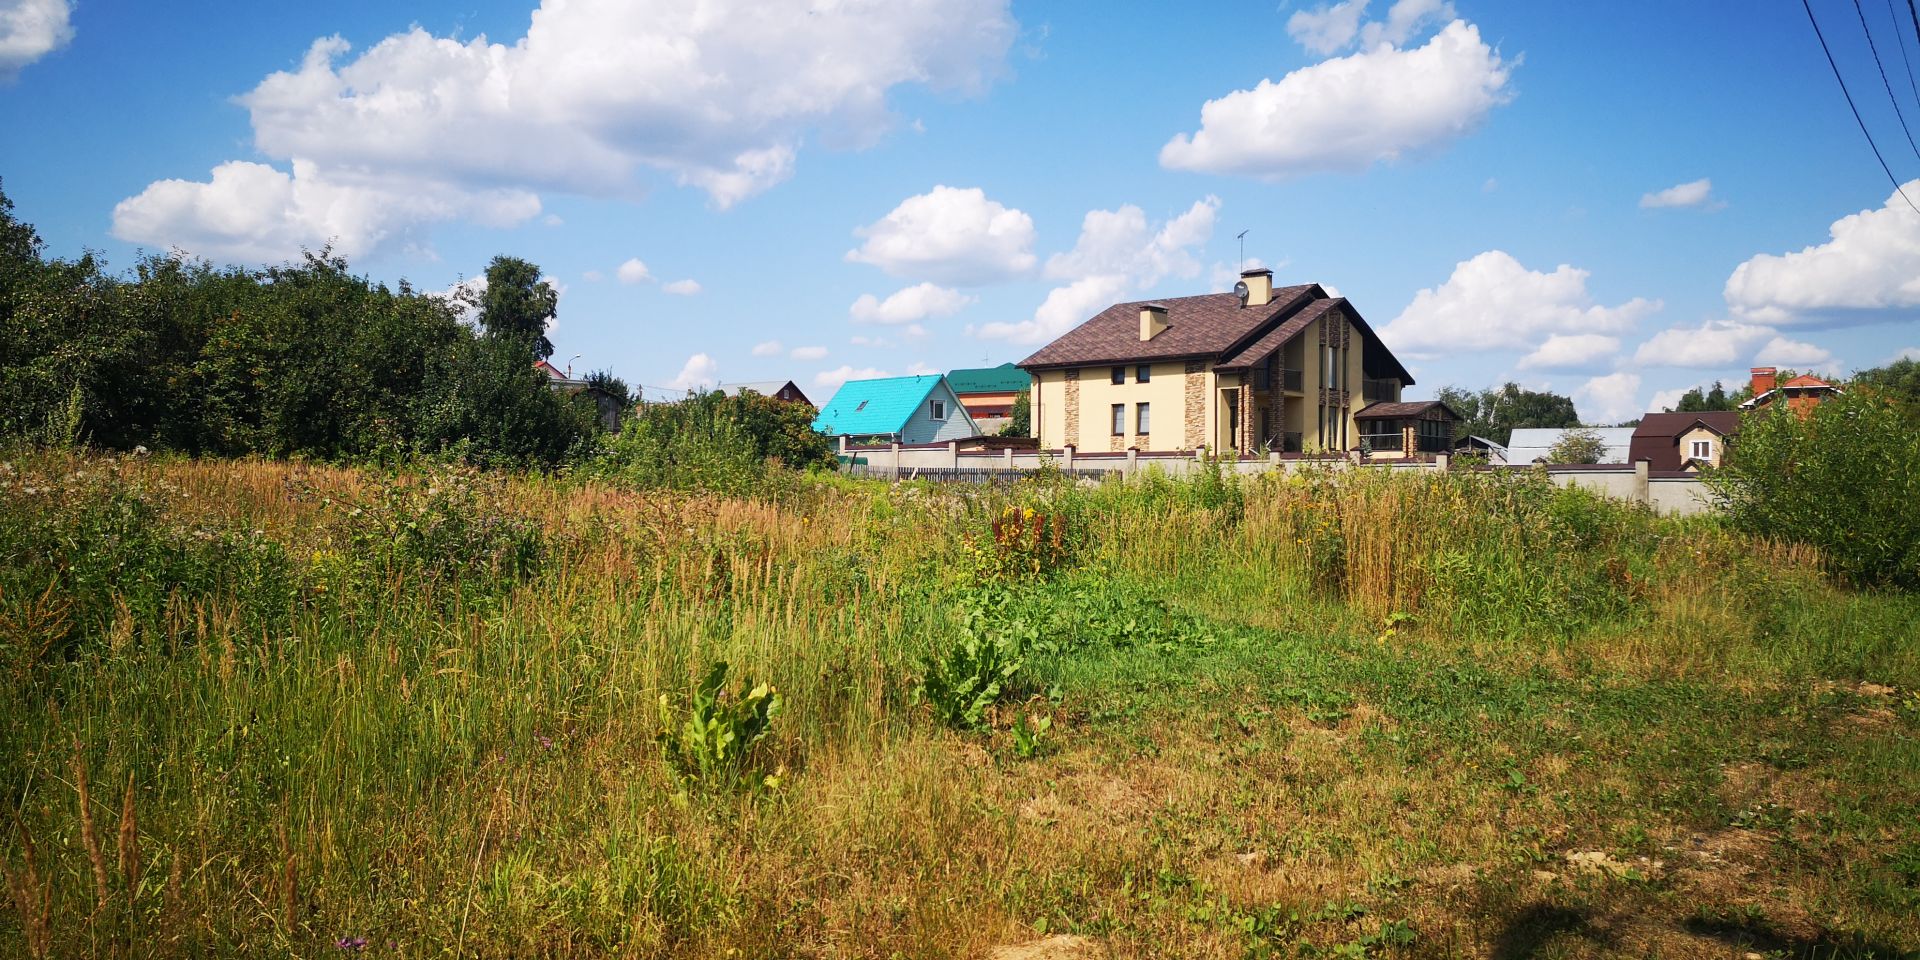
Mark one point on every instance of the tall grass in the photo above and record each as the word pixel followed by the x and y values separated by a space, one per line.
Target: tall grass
pixel 258 708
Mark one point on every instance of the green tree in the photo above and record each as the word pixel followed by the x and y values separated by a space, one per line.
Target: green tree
pixel 1898 381
pixel 518 304
pixel 1578 445
pixel 1843 479
pixel 1697 400
pixel 1020 423
pixel 1495 413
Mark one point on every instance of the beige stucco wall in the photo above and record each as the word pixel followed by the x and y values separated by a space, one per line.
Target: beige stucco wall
pixel 1700 433
pixel 1166 391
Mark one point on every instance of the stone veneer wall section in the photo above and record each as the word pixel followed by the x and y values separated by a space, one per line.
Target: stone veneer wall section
pixel 1196 405
pixel 1244 400
pixel 1072 438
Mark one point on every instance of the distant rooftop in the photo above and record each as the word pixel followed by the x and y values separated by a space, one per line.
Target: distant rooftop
pixel 1005 378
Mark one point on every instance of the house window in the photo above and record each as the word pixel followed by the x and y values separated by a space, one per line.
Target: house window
pixel 1119 374
pixel 1703 449
pixel 1143 417
pixel 1143 373
pixel 1119 419
pixel 862 406
pixel 939 411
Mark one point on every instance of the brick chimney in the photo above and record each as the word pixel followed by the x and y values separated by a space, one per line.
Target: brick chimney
pixel 1259 286
pixel 1763 378
pixel 1153 321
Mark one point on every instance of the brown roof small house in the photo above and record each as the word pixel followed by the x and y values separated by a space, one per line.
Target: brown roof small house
pixel 1683 441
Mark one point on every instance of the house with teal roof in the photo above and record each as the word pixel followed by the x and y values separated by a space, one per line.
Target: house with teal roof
pixel 905 409
pixel 989 393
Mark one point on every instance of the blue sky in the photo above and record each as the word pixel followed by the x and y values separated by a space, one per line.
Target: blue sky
pixel 741 191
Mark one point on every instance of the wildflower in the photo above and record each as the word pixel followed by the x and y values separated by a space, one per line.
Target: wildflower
pixel 351 943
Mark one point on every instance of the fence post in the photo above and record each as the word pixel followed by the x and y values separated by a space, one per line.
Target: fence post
pixel 843 443
pixel 1442 462
pixel 1273 460
pixel 1006 457
pixel 953 454
pixel 1133 461
pixel 1067 456
pixel 893 471
pixel 1642 489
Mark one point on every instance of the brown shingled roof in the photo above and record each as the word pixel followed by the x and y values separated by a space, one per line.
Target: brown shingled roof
pixel 1656 438
pixel 1277 337
pixel 1392 410
pixel 1206 325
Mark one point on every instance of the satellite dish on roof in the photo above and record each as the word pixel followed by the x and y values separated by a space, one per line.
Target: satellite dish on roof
pixel 1240 290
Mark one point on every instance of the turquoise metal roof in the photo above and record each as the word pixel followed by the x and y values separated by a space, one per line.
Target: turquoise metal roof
pixel 1005 378
pixel 863 408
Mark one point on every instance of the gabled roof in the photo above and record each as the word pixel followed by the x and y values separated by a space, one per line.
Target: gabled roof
pixel 863 408
pixel 1213 327
pixel 1276 338
pixel 1005 378
pixel 1802 384
pixel 765 388
pixel 1657 437
pixel 1206 325
pixel 1527 444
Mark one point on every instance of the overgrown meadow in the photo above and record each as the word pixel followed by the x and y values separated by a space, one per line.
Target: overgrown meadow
pixel 260 708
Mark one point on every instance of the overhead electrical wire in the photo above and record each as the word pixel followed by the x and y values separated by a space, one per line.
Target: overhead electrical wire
pixel 1808 5
pixel 1897 112
pixel 1900 37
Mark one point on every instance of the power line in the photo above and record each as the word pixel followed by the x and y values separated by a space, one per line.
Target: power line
pixel 1900 37
pixel 1856 110
pixel 1862 13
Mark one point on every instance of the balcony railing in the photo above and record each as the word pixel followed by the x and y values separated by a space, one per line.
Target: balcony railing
pixel 1373 390
pixel 1292 380
pixel 1291 442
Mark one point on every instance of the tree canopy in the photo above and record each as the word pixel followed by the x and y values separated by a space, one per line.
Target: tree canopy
pixel 1698 400
pixel 517 303
pixel 1494 413
pixel 300 359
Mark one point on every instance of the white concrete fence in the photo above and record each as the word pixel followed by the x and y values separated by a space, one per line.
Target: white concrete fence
pixel 1670 492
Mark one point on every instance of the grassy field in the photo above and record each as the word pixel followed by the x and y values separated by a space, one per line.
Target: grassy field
pixel 264 709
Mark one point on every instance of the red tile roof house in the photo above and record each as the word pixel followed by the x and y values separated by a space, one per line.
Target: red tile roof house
pixel 1280 368
pixel 1802 393
pixel 1683 441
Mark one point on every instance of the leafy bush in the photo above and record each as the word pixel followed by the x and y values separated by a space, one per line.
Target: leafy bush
pixel 449 526
pixel 964 680
pixel 1844 479
pixel 1578 445
pixel 710 742
pixel 713 442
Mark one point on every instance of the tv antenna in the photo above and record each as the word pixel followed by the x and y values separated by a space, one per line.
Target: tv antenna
pixel 1243 247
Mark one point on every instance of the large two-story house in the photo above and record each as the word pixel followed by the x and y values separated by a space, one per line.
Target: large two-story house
pixel 1283 369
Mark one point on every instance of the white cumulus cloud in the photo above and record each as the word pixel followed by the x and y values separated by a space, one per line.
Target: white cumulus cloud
pixel 1868 271
pixel 808 353
pixel 252 212
pixel 918 302
pixel 31 29
pixel 839 375
pixel 949 235
pixel 682 288
pixel 633 271
pixel 1327 28
pixel 1697 193
pixel 599 94
pixel 1716 343
pixel 698 373
pixel 1609 399
pixel 1492 302
pixel 1118 251
pixel 1350 112
pixel 769 348
pixel 1571 351
pixel 1798 354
